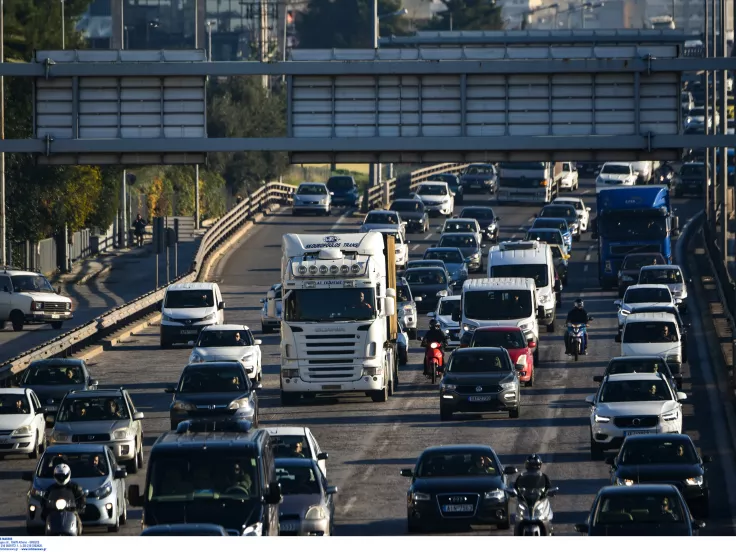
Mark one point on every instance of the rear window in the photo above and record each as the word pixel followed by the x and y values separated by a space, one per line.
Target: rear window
pixel 407 206
pixel 290 446
pixel 661 276
pixel 312 190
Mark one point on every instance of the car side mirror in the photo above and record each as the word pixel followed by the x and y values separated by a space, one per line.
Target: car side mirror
pixel 406 472
pixel 221 305
pixel 590 399
pixel 134 495
pixel 520 367
pixel 261 301
pixel 587 209
pixel 58 290
pixel 707 459
pixel 171 390
pixel 510 470
pixel 430 314
pixel 274 495
pixel 581 528
pixel 617 303
pixel 121 473
pixel 323 456
pixel 698 524
pixel 531 344
pixel 417 299
pixel 94 383
pixel 598 379
pixel 483 246
pixel 331 490
pixel 617 339
pixel 389 306
pixel 27 476
pixel 553 491
pixel 610 460
pixel 681 396
pixel 258 342
pixel 257 386
pixel 138 415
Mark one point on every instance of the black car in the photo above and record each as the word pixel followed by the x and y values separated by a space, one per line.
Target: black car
pixel 453 181
pixel 427 283
pixel 214 391
pixel 468 244
pixel 480 175
pixel 588 168
pixel 52 378
pixel 628 275
pixel 640 365
pixel 480 379
pixel 664 458
pixel 344 190
pixel 638 511
pixel 414 213
pixel 487 220
pixel 566 212
pixel 690 179
pixel 457 485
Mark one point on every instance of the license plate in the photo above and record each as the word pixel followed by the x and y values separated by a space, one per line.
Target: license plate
pixel 54 316
pixel 639 432
pixel 479 398
pixel 189 332
pixel 331 387
pixel 457 508
pixel 289 526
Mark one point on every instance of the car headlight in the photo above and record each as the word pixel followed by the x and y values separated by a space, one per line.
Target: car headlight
pixel 601 419
pixel 238 404
pixel 492 226
pixel 446 200
pixel 673 358
pixel 247 357
pixel 508 385
pixel 103 492
pixel 498 494
pixel 22 430
pixel 525 326
pixel 211 316
pixel 181 405
pixel 315 513
pixel 323 202
pixel 122 434
pixel 195 358
pixel 474 256
pixel 38 493
pixel 546 298
pixel 59 437
pixel 167 318
pixel 255 530
pixel 420 497
pixel 626 482
pixel 671 416
pixel 694 480
pixel 448 387
pixel 469 327
pixel 624 312
pixel 626 278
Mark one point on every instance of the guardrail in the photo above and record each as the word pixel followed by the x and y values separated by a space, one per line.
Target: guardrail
pixel 112 320
pixel 375 194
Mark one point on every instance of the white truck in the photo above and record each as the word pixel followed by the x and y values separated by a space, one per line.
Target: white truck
pixel 338 323
pixel 536 182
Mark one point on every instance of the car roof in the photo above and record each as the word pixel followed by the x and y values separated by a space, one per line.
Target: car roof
pixel 566 199
pixel 211 529
pixel 660 267
pixel 305 462
pixel 214 364
pixel 383 212
pixel 457 449
pixel 641 489
pixel 637 376
pixel 543 230
pixel 76 448
pixel 514 284
pixel 217 440
pixel 287 430
pixel 636 357
pixel 407 200
pixel 16 272
pixel 648 286
pixel 443 248
pixel 14 390
pixel 433 182
pixel 58 362
pixel 192 285
pixel 468 350
pixel 312 184
pixel 471 234
pixel 660 437
pixel 433 261
pixel 462 219
pixel 226 327
pixel 494 329
pixel 451 298
pixel 95 393
pixel 477 208
pixel 418 268
pixel 642 254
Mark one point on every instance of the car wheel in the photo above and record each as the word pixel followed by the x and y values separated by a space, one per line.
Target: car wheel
pixel 165 344
pixel 132 465
pixel 515 413
pixel 114 528
pixel 139 458
pixel 445 414
pixel 123 519
pixel 412 526
pixel 57 325
pixel 36 448
pixel 17 320
pixel 530 383
pixel 536 356
pixel 596 452
pixel 506 525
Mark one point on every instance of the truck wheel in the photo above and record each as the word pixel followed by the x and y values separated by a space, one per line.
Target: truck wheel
pixel 289 399
pixel 17 319
pixel 380 396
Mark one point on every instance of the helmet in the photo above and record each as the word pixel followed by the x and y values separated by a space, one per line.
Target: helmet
pixel 62 474
pixel 434 325
pixel 579 303
pixel 533 462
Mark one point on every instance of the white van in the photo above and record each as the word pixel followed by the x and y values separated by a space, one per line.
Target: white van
pixel 500 302
pixel 654 333
pixel 187 308
pixel 529 259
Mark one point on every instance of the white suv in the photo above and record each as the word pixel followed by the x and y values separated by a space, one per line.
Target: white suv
pixel 632 404
pixel 28 298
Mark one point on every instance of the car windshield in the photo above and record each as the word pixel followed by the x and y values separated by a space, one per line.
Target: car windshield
pixel 92 409
pixel 425 277
pixel 634 391
pixel 407 206
pixel 629 366
pixel 448 306
pixel 657 451
pixel 189 299
pixel 457 464
pixel 653 507
pixel 447 256
pixel 559 211
pixel 556 252
pixel 479 169
pixel 541 235
pixel 319 305
pixel 30 282
pixel 209 379
pixel 203 474
pixel 661 276
pixel 650 332
pixel 498 305
pixel 647 295
pixel 692 170
pixel 478 213
pixel 297 480
pixel 403 293
pixel 538 272
pixel 500 338
pixel 290 446
pixel 457 240
pixel 381 218
pixel 53 374
pixel 575 203
pixel 465 226
pixel 82 465
pixel 340 183
pixel 616 169
pixel 635 262
pixel 559 224
pixel 225 338
pixel 14 404
pixel 432 190
pixel 311 190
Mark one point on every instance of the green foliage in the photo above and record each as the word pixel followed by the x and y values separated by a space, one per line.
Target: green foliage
pixel 468 15
pixel 347 23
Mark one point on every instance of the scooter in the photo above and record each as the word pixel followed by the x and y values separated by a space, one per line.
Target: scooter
pixel 62 520
pixel 533 512
pixel 434 360
pixel 577 334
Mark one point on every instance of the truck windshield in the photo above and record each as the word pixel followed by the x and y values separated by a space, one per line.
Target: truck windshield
pixel 340 183
pixel 539 272
pixel 328 305
pixel 498 305
pixel 625 226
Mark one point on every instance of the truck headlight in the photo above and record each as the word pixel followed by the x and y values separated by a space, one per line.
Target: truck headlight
pixel 255 530
pixel 546 298
pixel 290 373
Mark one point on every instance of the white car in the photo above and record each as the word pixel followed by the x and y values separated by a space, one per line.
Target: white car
pixel 670 276
pixel 570 179
pixel 229 342
pixel 402 344
pixel 632 404
pixel 28 298
pixel 285 440
pixel 381 219
pixel 615 174
pixel 271 323
pixel 696 118
pixel 22 423
pixel 437 197
pixel 642 295
pixel 463 226
pixel 443 314
pixel 401 247
pixel 579 205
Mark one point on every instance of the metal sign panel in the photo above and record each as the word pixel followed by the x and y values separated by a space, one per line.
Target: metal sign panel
pixel 110 108
pixel 477 106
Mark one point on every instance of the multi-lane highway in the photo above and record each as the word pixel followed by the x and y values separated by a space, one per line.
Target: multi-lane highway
pixel 369 443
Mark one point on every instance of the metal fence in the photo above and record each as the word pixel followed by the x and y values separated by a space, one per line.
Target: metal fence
pixel 42 256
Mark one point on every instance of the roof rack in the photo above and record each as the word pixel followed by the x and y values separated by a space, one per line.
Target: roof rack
pixel 203 426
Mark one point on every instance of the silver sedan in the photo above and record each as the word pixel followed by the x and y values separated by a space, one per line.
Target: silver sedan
pixel 308 508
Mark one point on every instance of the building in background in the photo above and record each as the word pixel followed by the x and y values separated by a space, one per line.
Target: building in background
pixel 514 11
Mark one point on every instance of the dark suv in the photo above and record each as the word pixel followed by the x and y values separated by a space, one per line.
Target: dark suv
pixel 344 190
pixel 690 179
pixel 628 275
pixel 52 378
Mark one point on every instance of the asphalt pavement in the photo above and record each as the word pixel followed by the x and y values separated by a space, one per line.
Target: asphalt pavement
pixel 370 442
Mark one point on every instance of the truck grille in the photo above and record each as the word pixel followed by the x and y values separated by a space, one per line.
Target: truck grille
pixel 56 307
pixel 622 250
pixel 331 357
pixel 630 421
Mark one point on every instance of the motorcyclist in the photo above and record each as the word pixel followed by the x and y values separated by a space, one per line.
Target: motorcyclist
pixel 532 478
pixel 578 315
pixel 434 335
pixel 63 488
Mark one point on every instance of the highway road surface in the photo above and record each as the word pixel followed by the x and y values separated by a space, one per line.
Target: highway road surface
pixel 369 443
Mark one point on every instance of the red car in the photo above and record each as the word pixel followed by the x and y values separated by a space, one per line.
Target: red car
pixel 512 339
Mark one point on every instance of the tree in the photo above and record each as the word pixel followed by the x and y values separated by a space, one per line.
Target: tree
pixel 468 15
pixel 347 23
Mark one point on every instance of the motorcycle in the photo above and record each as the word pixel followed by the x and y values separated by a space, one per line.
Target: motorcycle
pixel 434 361
pixel 577 333
pixel 62 520
pixel 533 512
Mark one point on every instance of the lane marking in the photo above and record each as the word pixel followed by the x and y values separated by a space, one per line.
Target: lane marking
pixel 349 504
pixel 530 219
pixel 339 221
pixel 521 228
pixel 585 268
pixel 514 236
pixel 414 247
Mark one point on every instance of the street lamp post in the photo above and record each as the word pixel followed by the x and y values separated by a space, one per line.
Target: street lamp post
pixel 63 28
pixel 209 40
